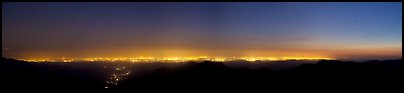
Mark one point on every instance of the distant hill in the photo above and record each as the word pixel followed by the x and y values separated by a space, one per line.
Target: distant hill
pixel 327 74
pixel 20 74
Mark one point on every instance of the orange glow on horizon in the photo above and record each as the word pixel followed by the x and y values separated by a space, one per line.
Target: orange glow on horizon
pixel 173 59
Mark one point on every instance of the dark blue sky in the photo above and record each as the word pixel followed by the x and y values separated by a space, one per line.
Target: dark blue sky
pixel 340 30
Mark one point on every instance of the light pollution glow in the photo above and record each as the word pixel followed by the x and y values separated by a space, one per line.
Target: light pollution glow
pixel 173 59
pixel 185 31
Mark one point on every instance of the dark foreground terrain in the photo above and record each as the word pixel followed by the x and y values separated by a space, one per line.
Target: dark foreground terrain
pixel 326 74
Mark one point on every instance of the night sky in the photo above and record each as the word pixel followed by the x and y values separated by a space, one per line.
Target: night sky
pixel 339 30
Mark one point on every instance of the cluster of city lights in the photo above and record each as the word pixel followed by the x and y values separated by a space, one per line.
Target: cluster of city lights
pixel 173 59
pixel 119 73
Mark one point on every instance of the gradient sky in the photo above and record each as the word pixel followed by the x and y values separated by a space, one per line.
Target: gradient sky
pixel 339 30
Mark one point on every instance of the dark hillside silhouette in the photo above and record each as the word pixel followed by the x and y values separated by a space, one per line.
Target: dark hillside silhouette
pixel 327 74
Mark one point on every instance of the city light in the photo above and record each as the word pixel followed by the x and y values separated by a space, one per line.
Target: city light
pixel 173 59
pixel 120 72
